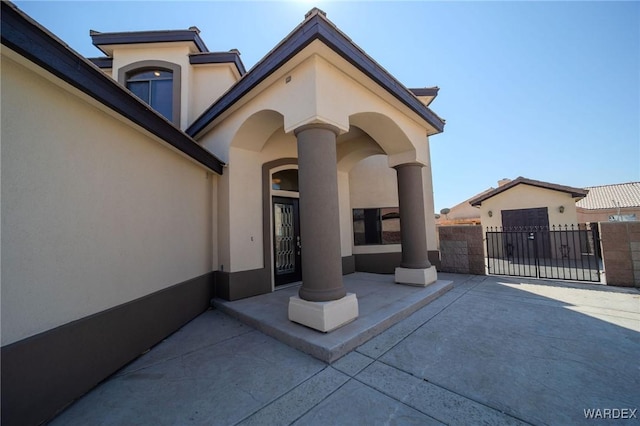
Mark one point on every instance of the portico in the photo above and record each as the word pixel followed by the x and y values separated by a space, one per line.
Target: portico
pixel 318 107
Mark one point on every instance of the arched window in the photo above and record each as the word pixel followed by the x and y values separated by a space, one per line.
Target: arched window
pixel 158 83
pixel 155 87
pixel 285 180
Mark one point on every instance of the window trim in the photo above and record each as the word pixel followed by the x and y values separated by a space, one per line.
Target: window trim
pixel 380 221
pixel 128 70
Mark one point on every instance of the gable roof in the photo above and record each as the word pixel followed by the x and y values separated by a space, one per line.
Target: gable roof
pixel 574 192
pixel 612 196
pixel 32 41
pixel 315 27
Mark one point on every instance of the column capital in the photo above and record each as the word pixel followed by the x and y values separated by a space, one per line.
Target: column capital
pixel 413 163
pixel 407 157
pixel 319 126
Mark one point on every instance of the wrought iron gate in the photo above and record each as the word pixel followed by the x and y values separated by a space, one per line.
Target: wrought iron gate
pixel 560 252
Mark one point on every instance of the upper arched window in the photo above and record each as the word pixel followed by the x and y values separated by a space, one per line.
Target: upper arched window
pixel 285 180
pixel 155 87
pixel 157 83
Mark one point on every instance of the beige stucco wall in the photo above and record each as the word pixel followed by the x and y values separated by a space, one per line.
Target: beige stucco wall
pixel 373 184
pixel 427 184
pixel 525 197
pixel 208 83
pixel 346 217
pixel 95 213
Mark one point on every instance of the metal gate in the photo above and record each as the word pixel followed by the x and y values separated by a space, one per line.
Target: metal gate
pixel 560 252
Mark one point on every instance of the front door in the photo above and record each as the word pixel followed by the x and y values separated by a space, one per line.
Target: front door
pixel 286 240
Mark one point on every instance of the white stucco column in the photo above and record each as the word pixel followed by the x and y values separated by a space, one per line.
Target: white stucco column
pixel 415 268
pixel 322 302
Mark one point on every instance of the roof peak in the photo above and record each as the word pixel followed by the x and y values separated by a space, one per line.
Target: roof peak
pixel 315 11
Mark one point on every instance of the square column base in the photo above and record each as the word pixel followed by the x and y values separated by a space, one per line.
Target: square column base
pixel 323 316
pixel 416 277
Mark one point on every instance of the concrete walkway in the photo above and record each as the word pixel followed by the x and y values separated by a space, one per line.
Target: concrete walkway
pixel 490 351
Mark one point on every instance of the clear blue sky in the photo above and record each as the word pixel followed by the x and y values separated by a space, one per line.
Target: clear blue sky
pixel 545 90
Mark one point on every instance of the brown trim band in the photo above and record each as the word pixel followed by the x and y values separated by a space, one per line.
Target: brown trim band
pixel 44 373
pixel 386 263
pixel 434 258
pixel 239 285
pixel 378 263
pixel 348 265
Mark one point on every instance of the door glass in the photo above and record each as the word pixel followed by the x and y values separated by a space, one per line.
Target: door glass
pixel 284 238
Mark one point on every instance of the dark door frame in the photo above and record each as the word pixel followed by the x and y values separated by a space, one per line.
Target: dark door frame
pixel 294 243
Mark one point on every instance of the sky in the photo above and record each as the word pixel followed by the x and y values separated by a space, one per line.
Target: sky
pixel 545 90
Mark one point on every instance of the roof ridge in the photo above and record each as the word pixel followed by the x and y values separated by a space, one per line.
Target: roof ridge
pixel 613 184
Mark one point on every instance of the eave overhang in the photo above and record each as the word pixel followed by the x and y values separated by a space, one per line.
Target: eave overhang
pixel 103 41
pixel 425 94
pixel 102 62
pixel 30 40
pixel 218 58
pixel 315 27
pixel 576 193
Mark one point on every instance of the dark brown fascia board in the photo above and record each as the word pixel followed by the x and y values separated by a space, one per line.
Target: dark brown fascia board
pixel 140 37
pixel 425 91
pixel 102 62
pixel 29 39
pixel 575 192
pixel 218 58
pixel 315 28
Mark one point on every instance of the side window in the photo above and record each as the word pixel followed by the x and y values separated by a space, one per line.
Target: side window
pixel 376 226
pixel 155 87
pixel 158 83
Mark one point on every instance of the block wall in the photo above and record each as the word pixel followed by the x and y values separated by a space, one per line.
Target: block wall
pixel 621 253
pixel 461 249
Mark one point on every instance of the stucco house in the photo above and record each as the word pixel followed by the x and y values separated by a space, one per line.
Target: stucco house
pixel 604 203
pixel 524 202
pixel 610 203
pixel 138 185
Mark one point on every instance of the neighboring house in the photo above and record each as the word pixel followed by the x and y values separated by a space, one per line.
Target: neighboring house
pixel 462 213
pixel 121 221
pixel 526 202
pixel 605 203
pixel 610 203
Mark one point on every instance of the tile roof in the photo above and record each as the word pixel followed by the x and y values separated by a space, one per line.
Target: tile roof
pixel 612 196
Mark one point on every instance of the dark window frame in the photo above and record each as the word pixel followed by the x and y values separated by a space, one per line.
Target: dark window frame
pixel 374 232
pixel 127 71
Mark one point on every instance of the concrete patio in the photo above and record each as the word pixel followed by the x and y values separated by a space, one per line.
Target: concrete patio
pixel 492 350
